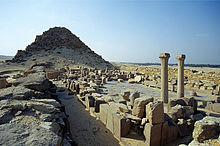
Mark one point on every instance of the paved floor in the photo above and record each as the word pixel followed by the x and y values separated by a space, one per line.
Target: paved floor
pixel 118 87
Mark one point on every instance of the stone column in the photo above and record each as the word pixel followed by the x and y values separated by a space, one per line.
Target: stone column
pixel 180 82
pixel 164 57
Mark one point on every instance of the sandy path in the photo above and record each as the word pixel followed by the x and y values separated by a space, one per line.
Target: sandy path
pixel 85 129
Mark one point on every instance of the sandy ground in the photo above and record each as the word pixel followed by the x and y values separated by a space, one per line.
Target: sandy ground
pixel 204 69
pixel 85 129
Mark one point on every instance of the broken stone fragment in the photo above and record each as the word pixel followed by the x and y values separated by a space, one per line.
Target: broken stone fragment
pixel 179 112
pixel 155 112
pixel 138 79
pixel 133 96
pixel 118 107
pixel 139 106
pixel 207 128
pixel 126 95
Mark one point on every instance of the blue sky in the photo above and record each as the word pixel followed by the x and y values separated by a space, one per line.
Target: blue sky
pixel 119 30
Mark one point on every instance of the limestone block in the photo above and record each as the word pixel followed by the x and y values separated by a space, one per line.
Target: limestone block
pixel 183 102
pixel 174 102
pixel 110 120
pixel 175 112
pixel 164 134
pixel 77 88
pixel 216 107
pixel 218 99
pixel 216 92
pixel 72 85
pixel 96 95
pixel 172 133
pixel 210 142
pixel 139 106
pixel 138 79
pixel 118 107
pixel 134 119
pixel 123 101
pixel 121 126
pixel 183 127
pixel 104 108
pixel 207 128
pixel 196 117
pixel 191 102
pixel 179 112
pixel 107 98
pixel 155 112
pixel 123 77
pixel 90 90
pixel 134 96
pixel 89 101
pixel 2 83
pixel 131 81
pixel 98 102
pixel 94 86
pixel 152 134
pixel 120 80
pixel 187 111
pixel 52 74
pixel 126 95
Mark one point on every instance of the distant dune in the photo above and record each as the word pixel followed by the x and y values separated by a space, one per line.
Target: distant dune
pixel 2 57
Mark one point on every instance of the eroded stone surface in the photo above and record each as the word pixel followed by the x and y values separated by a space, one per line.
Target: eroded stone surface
pixel 207 128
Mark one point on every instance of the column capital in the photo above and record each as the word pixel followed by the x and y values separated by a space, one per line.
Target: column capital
pixel 164 55
pixel 180 57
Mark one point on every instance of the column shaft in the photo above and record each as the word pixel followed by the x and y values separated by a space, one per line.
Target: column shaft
pixel 180 82
pixel 164 57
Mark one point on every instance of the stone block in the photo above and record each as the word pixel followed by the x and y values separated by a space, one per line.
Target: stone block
pixel 90 101
pixel 139 106
pixel 183 128
pixel 126 95
pixel 98 102
pixel 191 102
pixel 175 112
pixel 152 134
pixel 121 126
pixel 207 128
pixel 174 102
pixel 183 102
pixel 218 99
pixel 164 134
pixel 179 112
pixel 52 74
pixel 118 107
pixel 104 108
pixel 134 96
pixel 155 112
pixel 216 107
pixel 172 131
pixel 2 83
pixel 138 79
pixel 110 120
